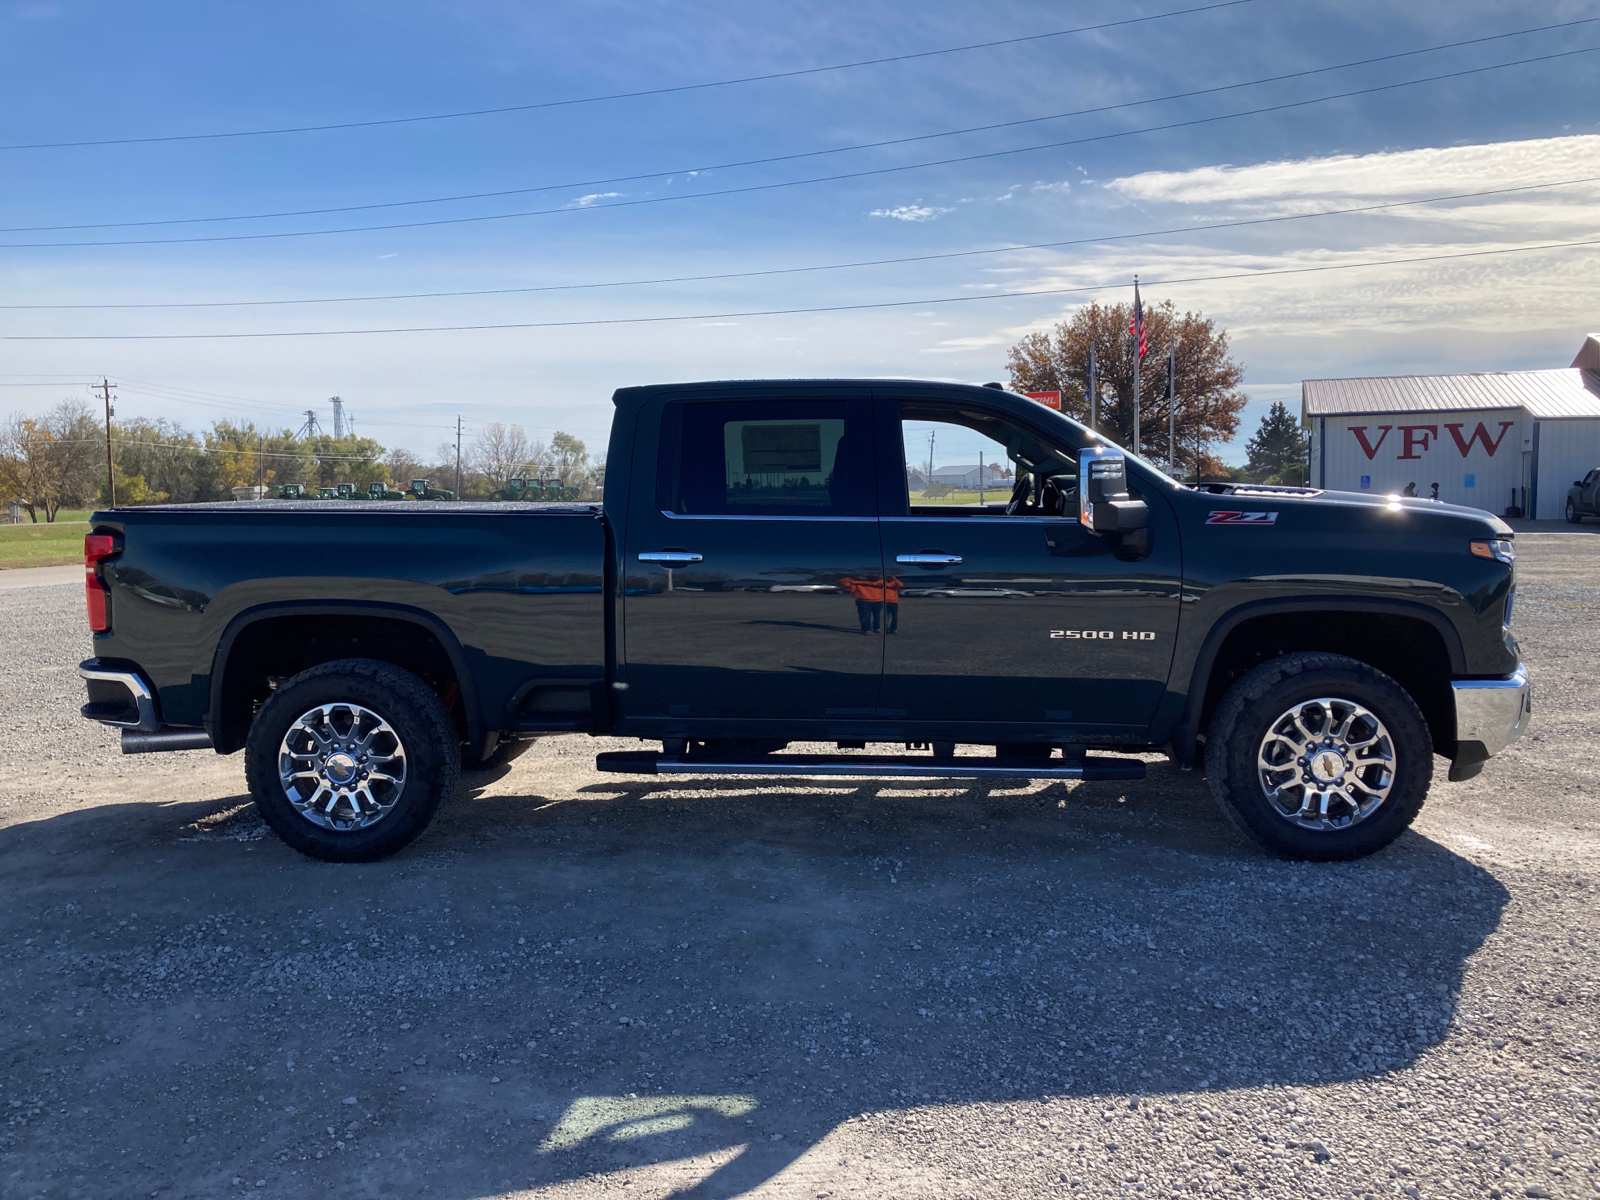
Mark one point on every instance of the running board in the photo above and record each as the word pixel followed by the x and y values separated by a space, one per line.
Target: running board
pixel 890 766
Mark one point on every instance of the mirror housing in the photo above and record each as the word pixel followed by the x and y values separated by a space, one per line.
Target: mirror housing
pixel 1104 505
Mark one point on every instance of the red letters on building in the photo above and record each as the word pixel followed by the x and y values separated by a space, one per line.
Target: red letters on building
pixel 1480 434
pixel 1416 438
pixel 1361 436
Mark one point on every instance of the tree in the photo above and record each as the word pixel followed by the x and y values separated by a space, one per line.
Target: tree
pixel 1209 398
pixel 568 458
pixel 351 459
pixel 404 466
pixel 501 452
pixel 1278 449
pixel 54 461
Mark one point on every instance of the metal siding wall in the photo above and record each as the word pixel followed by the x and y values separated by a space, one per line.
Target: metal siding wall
pixel 1435 457
pixel 1567 450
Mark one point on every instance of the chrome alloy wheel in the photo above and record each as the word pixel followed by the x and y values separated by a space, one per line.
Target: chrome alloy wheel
pixel 1326 764
pixel 342 766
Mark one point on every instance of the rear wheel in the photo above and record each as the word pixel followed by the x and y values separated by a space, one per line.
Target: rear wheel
pixel 1318 756
pixel 1572 513
pixel 349 761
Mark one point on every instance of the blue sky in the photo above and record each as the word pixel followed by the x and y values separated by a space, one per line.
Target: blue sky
pixel 79 71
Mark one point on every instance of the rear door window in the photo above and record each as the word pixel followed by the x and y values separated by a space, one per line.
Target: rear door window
pixel 792 458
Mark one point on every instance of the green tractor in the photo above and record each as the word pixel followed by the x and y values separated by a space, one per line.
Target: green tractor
pixel 554 489
pixel 518 488
pixel 327 493
pixel 420 490
pixel 379 490
pixel 294 491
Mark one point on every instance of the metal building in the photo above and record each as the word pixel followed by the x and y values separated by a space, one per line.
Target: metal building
pixel 1494 441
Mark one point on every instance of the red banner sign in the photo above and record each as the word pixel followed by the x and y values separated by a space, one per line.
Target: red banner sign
pixel 1048 399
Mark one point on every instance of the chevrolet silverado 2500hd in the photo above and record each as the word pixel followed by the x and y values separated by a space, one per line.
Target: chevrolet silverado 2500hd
pixel 760 573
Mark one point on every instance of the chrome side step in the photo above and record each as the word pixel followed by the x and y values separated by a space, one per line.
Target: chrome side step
pixel 885 766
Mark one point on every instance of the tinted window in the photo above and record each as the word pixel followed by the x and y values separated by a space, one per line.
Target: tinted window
pixel 765 457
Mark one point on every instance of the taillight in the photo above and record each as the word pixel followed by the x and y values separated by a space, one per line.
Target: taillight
pixel 95 547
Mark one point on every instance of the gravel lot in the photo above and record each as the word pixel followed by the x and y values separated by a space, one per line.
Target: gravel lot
pixel 584 985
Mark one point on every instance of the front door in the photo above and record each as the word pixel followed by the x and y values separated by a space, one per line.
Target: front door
pixel 1019 617
pixel 753 575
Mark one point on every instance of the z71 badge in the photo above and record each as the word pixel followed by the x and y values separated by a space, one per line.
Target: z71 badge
pixel 1242 518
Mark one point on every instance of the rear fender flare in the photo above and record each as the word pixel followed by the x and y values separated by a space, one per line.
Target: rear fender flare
pixel 476 731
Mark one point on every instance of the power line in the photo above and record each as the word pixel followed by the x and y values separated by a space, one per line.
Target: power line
pixel 766 187
pixel 661 91
pixel 872 262
pixel 780 158
pixel 776 312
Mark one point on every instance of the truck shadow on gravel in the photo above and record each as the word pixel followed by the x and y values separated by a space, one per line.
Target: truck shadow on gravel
pixel 688 984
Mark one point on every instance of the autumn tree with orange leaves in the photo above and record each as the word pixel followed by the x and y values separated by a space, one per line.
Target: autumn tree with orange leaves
pixel 1209 397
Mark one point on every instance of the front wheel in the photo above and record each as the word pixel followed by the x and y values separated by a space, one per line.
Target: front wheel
pixel 1572 513
pixel 349 761
pixel 1318 756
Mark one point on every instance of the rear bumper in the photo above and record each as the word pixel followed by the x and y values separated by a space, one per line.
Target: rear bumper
pixel 119 697
pixel 1490 715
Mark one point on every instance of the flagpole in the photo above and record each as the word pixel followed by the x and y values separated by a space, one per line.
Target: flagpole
pixel 1094 393
pixel 1172 404
pixel 1137 342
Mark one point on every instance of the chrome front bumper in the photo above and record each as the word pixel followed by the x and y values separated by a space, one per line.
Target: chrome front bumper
pixel 1491 714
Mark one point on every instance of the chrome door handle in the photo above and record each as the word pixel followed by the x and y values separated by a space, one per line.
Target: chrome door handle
pixel 929 560
pixel 670 558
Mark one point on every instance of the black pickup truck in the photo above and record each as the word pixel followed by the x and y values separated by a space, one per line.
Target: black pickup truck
pixel 761 573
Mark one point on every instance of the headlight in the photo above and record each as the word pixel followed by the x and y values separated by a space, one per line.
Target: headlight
pixel 1499 549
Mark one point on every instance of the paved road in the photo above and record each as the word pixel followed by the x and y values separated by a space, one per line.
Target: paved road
pixel 580 986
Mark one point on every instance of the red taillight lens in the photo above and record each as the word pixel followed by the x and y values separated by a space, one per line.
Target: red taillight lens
pixel 95 547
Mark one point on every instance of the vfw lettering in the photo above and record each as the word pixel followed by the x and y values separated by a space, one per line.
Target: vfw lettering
pixel 1414 439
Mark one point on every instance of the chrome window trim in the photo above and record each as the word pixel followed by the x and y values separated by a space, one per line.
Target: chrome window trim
pixel 672 516
pixel 1027 520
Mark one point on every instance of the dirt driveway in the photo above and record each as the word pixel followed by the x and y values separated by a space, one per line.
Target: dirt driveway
pixel 588 985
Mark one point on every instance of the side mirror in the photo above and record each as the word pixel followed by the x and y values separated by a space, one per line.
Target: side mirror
pixel 1104 505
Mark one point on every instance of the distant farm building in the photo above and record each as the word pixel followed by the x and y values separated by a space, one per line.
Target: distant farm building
pixel 967 475
pixel 1493 441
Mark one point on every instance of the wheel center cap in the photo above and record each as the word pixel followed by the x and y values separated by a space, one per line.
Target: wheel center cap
pixel 1327 766
pixel 340 768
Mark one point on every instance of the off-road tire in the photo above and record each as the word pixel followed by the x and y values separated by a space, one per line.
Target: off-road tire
pixel 1256 701
pixel 1573 516
pixel 419 719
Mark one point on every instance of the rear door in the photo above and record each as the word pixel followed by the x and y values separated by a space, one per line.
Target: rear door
pixel 753 574
pixel 1025 618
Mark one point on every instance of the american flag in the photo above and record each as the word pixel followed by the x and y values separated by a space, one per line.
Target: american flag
pixel 1136 328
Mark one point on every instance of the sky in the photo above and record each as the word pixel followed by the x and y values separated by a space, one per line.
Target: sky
pixel 650 188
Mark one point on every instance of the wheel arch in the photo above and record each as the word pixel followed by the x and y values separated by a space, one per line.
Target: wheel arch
pixel 1412 643
pixel 323 631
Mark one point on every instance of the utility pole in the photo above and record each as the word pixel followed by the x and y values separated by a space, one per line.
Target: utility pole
pixel 111 474
pixel 458 458
pixel 980 478
pixel 931 434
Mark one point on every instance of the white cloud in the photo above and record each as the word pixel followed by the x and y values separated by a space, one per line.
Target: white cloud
pixel 592 198
pixel 911 212
pixel 1390 175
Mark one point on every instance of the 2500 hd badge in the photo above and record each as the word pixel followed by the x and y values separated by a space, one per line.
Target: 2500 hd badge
pixel 1106 635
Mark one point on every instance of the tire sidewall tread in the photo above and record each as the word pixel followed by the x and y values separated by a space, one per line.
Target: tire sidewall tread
pixel 433 756
pixel 1241 720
